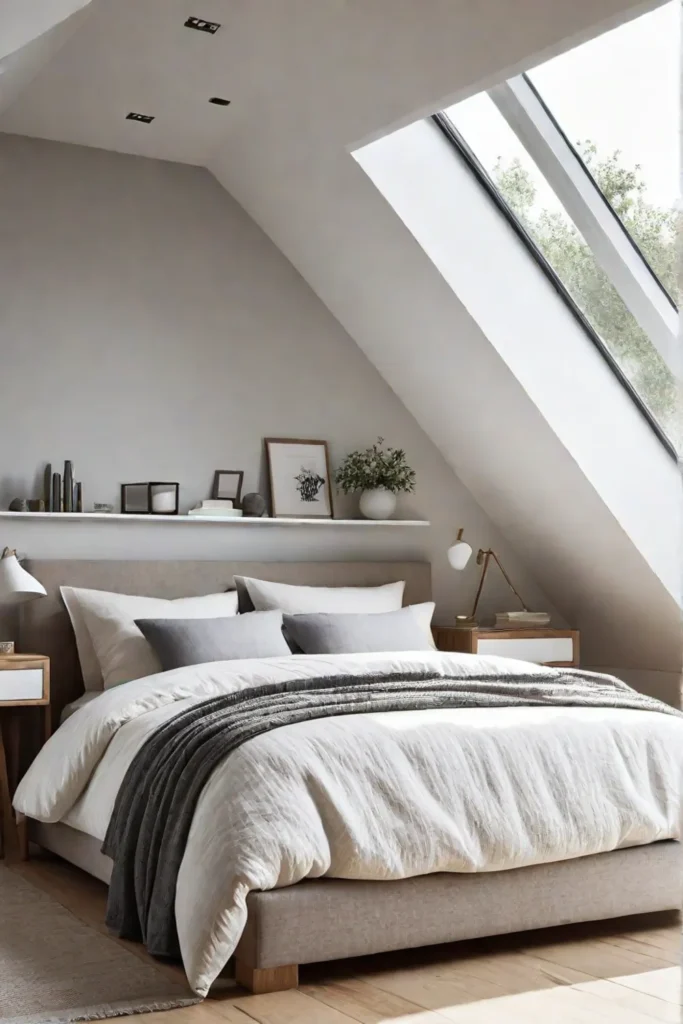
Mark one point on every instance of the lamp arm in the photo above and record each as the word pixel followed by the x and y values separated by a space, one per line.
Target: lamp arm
pixel 509 582
pixel 487 556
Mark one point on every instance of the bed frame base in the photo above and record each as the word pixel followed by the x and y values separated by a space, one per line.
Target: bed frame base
pixel 333 918
pixel 260 980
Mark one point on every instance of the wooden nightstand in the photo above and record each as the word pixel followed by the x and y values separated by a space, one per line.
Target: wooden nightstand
pixel 554 647
pixel 24 683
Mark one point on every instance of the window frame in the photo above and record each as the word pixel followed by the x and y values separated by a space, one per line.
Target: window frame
pixel 444 124
pixel 586 170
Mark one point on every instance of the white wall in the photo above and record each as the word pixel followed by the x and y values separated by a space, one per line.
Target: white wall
pixel 444 207
pixel 150 330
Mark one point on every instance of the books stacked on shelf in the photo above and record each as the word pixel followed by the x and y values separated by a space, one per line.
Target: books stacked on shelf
pixel 216 508
pixel 522 620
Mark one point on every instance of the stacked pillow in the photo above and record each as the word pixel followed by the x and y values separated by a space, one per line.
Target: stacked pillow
pixel 111 648
pixel 123 637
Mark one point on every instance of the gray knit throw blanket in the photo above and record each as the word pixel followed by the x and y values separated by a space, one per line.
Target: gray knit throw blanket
pixel 154 808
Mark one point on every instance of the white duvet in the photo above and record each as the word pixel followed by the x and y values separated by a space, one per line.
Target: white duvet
pixel 373 796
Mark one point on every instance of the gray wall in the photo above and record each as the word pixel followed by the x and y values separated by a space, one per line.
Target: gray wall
pixel 149 329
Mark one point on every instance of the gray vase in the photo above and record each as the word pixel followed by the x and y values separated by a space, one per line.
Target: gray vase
pixel 253 505
pixel 68 486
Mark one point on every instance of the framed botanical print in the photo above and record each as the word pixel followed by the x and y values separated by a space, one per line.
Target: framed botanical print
pixel 299 472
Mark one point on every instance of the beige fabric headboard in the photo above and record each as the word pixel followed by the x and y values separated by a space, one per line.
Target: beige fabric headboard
pixel 45 627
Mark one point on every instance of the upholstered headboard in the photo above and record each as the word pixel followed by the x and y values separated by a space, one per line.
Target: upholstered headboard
pixel 45 627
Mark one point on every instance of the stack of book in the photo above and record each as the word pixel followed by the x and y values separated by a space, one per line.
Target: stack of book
pixel 216 508
pixel 522 620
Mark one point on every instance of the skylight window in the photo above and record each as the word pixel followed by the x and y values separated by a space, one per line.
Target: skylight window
pixel 600 211
pixel 616 97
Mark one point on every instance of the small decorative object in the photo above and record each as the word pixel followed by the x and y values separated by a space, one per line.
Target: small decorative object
pixel 47 487
pixel 299 473
pixel 155 497
pixel 227 483
pixel 216 508
pixel 135 499
pixel 68 486
pixel 36 505
pixel 380 474
pixel 56 492
pixel 18 505
pixel 79 496
pixel 164 498
pixel 254 505
pixel 6 647
pixel 103 507
pixel 458 556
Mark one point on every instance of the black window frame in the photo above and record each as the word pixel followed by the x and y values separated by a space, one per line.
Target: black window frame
pixel 451 133
pixel 586 170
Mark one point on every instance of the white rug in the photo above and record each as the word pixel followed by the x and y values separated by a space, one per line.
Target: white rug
pixel 54 969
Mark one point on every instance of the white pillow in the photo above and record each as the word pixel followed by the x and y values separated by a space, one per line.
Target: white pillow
pixel 111 648
pixel 295 600
pixel 424 613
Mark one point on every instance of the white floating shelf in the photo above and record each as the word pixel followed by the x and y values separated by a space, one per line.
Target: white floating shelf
pixel 236 522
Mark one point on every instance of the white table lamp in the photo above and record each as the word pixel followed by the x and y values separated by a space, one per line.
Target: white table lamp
pixel 459 553
pixel 17 585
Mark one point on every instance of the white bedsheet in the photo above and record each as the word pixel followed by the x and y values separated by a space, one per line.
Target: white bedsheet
pixel 373 796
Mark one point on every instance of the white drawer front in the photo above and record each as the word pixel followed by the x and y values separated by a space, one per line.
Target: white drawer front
pixel 21 684
pixel 536 649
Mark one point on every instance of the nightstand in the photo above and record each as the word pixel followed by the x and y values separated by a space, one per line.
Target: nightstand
pixel 554 647
pixel 24 683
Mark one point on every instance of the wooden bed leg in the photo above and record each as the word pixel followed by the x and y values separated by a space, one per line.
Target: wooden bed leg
pixel 260 980
pixel 22 833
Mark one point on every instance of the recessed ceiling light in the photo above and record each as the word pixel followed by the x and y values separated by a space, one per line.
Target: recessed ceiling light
pixel 203 26
pixel 219 101
pixel 145 118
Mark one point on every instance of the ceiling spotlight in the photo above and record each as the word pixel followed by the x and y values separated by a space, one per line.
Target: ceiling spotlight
pixel 219 101
pixel 203 26
pixel 145 118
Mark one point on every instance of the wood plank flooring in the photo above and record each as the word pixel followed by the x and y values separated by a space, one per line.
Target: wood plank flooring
pixel 625 971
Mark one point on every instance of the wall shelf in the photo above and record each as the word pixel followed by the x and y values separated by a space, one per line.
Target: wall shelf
pixel 201 520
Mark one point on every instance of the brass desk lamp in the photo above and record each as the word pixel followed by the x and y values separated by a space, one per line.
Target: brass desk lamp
pixel 459 555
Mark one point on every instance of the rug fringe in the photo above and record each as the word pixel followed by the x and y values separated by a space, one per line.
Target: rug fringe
pixel 105 1011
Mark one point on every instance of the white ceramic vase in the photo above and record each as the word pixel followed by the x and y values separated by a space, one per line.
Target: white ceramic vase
pixel 378 503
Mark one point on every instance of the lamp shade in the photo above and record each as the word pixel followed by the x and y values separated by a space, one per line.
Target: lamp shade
pixel 459 554
pixel 16 584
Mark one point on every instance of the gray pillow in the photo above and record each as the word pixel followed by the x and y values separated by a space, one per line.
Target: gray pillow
pixel 326 633
pixel 180 642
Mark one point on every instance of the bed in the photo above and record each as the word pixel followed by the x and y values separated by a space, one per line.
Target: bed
pixel 345 891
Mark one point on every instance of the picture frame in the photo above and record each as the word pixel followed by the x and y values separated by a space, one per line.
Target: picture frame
pixel 227 485
pixel 300 479
pixel 150 497
pixel 135 499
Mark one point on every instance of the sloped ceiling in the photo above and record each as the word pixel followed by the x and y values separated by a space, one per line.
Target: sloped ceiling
pixel 308 81
pixel 31 33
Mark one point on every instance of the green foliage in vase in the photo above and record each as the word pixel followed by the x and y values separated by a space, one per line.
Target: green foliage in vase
pixel 654 231
pixel 375 467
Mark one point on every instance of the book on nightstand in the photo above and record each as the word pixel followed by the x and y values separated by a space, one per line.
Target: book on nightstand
pixel 521 620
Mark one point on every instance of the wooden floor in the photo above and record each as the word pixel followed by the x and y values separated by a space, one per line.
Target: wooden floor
pixel 626 971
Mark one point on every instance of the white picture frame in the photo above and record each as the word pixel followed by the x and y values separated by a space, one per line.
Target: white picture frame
pixel 300 481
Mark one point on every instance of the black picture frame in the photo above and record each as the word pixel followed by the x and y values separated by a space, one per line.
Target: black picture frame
pixel 230 490
pixel 167 485
pixel 142 505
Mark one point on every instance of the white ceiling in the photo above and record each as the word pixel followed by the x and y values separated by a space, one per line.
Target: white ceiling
pixel 353 65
